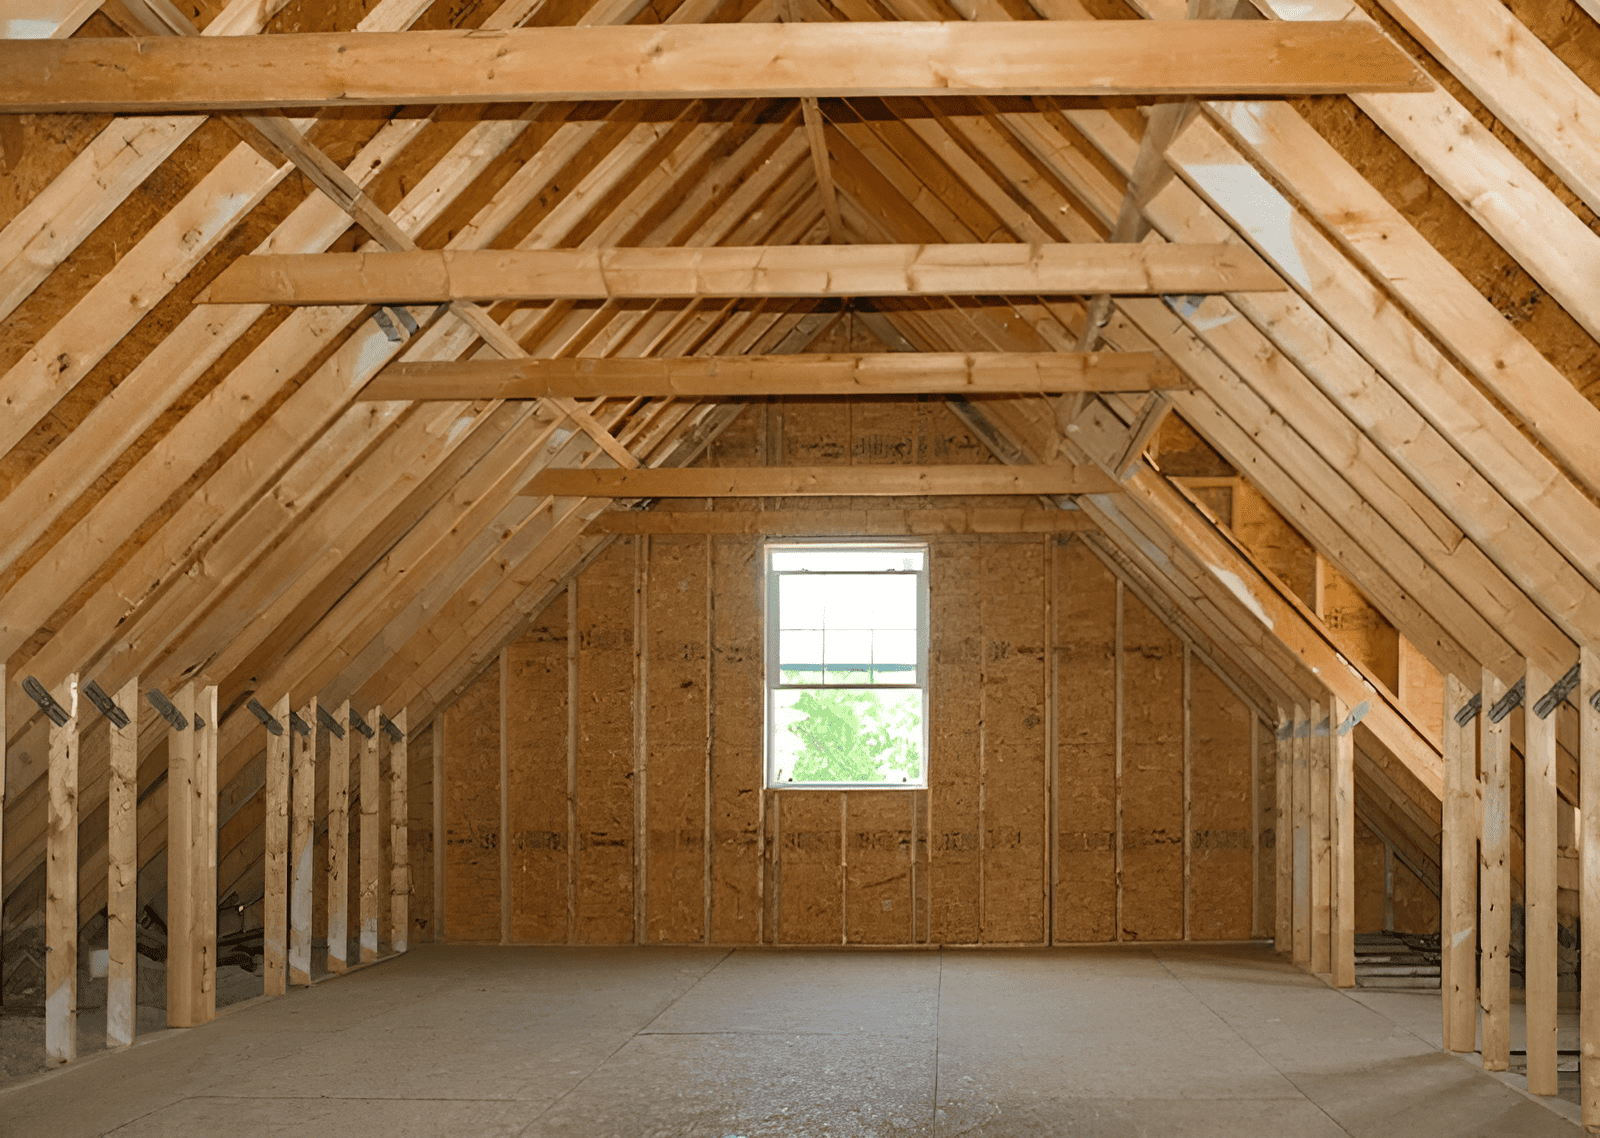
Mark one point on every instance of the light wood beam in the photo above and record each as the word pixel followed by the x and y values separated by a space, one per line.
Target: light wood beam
pixel 826 190
pixel 122 871
pixel 438 276
pixel 275 856
pixel 192 861
pixel 399 833
pixel 1539 888
pixel 709 61
pixel 61 885
pixel 1343 747
pixel 956 520
pixel 1302 837
pixel 339 840
pixel 303 789
pixel 1283 837
pixel 1494 881
pixel 1458 867
pixel 1321 772
pixel 371 850
pixel 886 373
pixel 778 481
pixel 1588 700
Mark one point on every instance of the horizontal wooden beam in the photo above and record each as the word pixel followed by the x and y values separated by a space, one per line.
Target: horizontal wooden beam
pixel 441 276
pixel 797 481
pixel 859 523
pixel 885 373
pixel 700 61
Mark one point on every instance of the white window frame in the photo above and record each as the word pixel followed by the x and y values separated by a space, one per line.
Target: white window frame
pixel 773 677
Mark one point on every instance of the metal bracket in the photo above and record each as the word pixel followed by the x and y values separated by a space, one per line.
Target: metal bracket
pixel 198 722
pixel 1594 701
pixel 389 330
pixel 298 724
pixel 1469 710
pixel 388 315
pixel 267 720
pixel 1356 716
pixel 1513 699
pixel 1303 731
pixel 1321 730
pixel 1562 689
pixel 1286 731
pixel 171 714
pixel 106 704
pixel 361 724
pixel 390 729
pixel 47 702
pixel 329 721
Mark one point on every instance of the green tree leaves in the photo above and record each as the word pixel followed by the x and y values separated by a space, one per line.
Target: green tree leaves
pixel 858 736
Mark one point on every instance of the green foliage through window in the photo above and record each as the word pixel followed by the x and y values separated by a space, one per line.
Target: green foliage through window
pixel 843 735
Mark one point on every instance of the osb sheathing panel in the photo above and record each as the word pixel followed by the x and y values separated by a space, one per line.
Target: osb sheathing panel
pixel 1371 890
pixel 1275 543
pixel 1152 776
pixel 472 811
pixel 1014 712
pixel 1416 908
pixel 419 828
pixel 604 793
pixel 1422 688
pixel 810 908
pixel 878 869
pixel 737 749
pixel 677 661
pixel 955 741
pixel 1220 842
pixel 536 777
pixel 1359 629
pixel 1086 739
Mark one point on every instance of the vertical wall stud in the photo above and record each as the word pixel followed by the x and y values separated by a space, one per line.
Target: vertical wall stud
pixel 192 862
pixel 339 842
pixel 1283 837
pixel 1321 841
pixel 1188 749
pixel 122 870
pixel 505 798
pixel 4 729
pixel 1539 877
pixel 399 836
pixel 275 902
pixel 1458 870
pixel 1302 837
pixel 1342 737
pixel 371 842
pixel 61 885
pixel 1589 879
pixel 304 795
pixel 1495 881
pixel 1116 766
pixel 438 828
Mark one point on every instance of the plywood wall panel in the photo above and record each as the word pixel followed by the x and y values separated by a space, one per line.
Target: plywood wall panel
pixel 1371 906
pixel 604 793
pixel 878 895
pixel 737 745
pixel 1086 728
pixel 956 739
pixel 1416 907
pixel 1220 878
pixel 1152 776
pixel 811 910
pixel 472 811
pixel 1012 612
pixel 536 778
pixel 676 619
pixel 1360 630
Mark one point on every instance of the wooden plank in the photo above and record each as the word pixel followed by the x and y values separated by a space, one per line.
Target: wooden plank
pixel 1458 866
pixel 1342 739
pixel 192 861
pixel 797 481
pixel 275 858
pixel 1539 888
pixel 1283 837
pixel 61 886
pixel 1494 881
pixel 1302 837
pixel 372 875
pixel 652 273
pixel 817 138
pixel 304 792
pixel 122 871
pixel 1321 774
pixel 438 828
pixel 769 60
pixel 855 522
pixel 339 841
pixel 736 376
pixel 400 835
pixel 1589 900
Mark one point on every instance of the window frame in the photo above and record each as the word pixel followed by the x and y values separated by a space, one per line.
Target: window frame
pixel 772 677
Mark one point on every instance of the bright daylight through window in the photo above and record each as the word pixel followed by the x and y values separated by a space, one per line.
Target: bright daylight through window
pixel 847 665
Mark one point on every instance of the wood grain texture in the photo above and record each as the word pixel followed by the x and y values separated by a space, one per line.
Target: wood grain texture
pixel 122 870
pixel 812 481
pixel 1221 873
pixel 339 840
pixel 399 830
pixel 374 893
pixel 275 864
pixel 536 748
pixel 303 829
pixel 61 886
pixel 1494 880
pixel 472 812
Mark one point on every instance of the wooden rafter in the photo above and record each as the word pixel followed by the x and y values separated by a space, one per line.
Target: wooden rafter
pixel 786 482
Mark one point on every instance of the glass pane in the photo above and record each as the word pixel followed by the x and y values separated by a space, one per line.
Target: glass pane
pixel 846 560
pixel 871 602
pixel 800 653
pixel 843 735
pixel 894 657
pixel 848 648
pixel 802 601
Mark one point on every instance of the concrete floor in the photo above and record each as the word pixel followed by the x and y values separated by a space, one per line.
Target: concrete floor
pixel 662 1042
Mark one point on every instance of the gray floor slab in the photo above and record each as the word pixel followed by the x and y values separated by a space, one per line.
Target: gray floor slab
pixel 704 1043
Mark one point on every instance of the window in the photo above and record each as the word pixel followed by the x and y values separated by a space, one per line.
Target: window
pixel 847 665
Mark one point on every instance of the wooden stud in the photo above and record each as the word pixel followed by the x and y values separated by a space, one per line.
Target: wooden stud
pixel 122 872
pixel 1342 738
pixel 673 272
pixel 1494 881
pixel 796 481
pixel 1283 837
pixel 275 857
pixel 1589 880
pixel 1188 781
pixel 1458 939
pixel 61 886
pixel 503 666
pixel 1539 887
pixel 438 828
pixel 1321 773
pixel 339 842
pixel 399 835
pixel 818 141
pixel 1302 837
pixel 4 736
pixel 192 861
pixel 303 789
pixel 372 875
pixel 699 61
